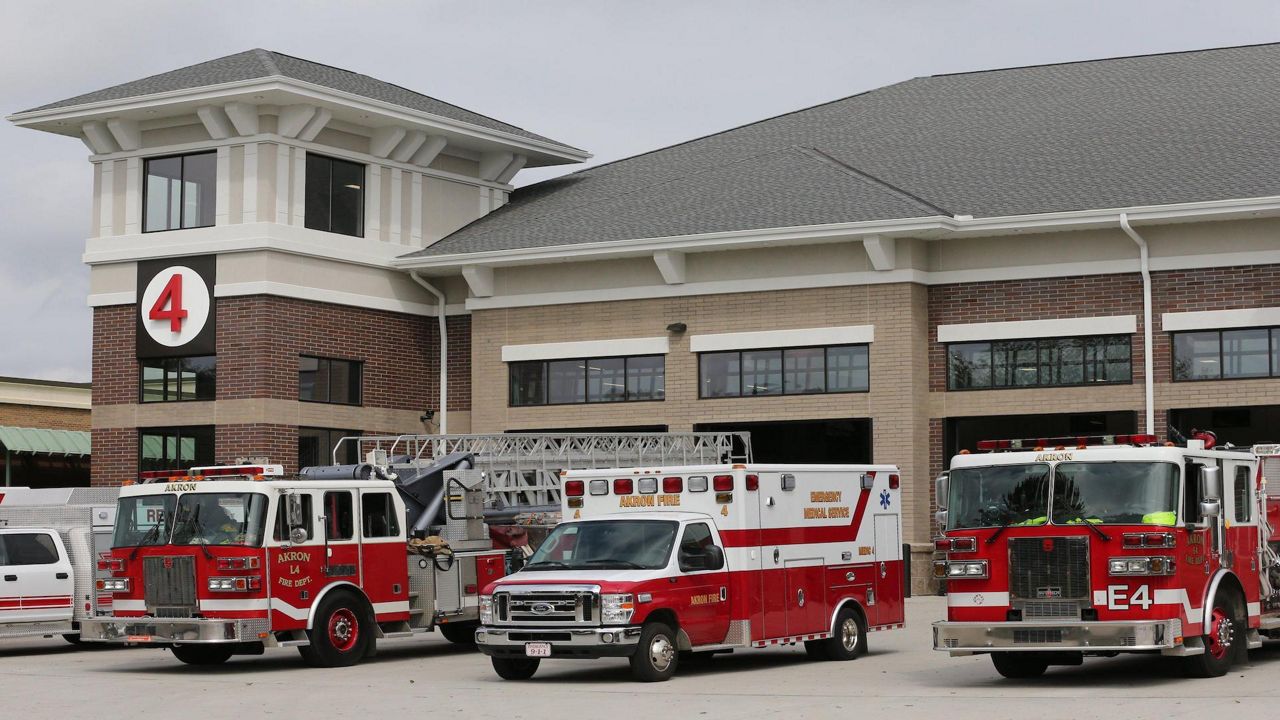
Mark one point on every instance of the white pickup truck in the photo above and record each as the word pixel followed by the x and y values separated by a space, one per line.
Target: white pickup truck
pixel 50 544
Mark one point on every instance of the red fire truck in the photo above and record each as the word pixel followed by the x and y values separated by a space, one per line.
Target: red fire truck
pixel 219 561
pixel 1059 548
pixel 654 563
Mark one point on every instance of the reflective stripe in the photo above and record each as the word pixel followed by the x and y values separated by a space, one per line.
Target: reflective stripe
pixel 977 599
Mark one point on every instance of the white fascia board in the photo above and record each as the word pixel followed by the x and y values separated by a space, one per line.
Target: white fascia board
pixel 128 297
pixel 16 392
pixel 319 93
pixel 1022 329
pixel 334 297
pixel 1220 319
pixel 803 337
pixel 586 349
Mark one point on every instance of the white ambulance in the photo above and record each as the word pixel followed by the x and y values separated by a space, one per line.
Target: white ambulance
pixel 655 563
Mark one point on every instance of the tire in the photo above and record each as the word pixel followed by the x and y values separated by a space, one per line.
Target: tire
pixel 656 657
pixel 848 638
pixel 341 635
pixel 1019 665
pixel 74 639
pixel 1223 643
pixel 515 668
pixel 459 633
pixel 203 654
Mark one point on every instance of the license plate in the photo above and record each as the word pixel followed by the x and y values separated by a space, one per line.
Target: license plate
pixel 537 649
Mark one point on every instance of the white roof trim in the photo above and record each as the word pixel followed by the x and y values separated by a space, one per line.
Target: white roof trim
pixel 804 337
pixel 1059 327
pixel 1216 319
pixel 586 349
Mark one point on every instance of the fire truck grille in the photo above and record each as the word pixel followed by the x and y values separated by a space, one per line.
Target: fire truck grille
pixel 1049 568
pixel 169 585
pixel 1037 636
pixel 576 608
pixel 1051 609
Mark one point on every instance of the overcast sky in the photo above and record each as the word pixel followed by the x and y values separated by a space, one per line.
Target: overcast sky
pixel 614 78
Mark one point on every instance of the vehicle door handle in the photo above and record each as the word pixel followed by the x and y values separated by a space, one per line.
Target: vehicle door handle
pixel 10 578
pixel 61 576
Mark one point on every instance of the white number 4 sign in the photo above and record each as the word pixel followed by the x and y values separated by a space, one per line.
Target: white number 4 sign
pixel 1119 597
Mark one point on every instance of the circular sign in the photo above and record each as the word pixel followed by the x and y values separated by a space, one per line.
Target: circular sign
pixel 175 306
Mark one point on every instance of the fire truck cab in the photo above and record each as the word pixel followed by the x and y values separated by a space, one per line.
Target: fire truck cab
pixel 1059 548
pixel 219 561
pixel 653 564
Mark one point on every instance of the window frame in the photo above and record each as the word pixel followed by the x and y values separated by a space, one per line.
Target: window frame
pixel 1273 370
pixel 782 384
pixel 178 432
pixel 388 505
pixel 182 198
pixel 364 174
pixel 142 369
pixel 326 452
pixel 358 365
pixel 992 368
pixel 587 399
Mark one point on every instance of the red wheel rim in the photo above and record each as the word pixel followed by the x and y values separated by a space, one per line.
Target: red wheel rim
pixel 1221 633
pixel 344 629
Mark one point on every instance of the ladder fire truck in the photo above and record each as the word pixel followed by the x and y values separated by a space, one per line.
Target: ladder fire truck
pixel 226 560
pixel 1059 548
pixel 654 563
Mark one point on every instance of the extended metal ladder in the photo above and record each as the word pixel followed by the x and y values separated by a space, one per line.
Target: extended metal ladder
pixel 523 469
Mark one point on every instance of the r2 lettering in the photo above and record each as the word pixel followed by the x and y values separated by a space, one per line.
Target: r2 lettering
pixel 1119 597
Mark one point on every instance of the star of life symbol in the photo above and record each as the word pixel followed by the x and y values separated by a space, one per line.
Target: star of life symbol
pixel 884 499
pixel 978 599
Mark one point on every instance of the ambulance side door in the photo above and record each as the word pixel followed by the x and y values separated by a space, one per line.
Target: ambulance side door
pixel 35 577
pixel 702 585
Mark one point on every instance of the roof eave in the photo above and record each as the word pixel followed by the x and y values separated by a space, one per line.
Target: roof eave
pixel 932 227
pixel 66 120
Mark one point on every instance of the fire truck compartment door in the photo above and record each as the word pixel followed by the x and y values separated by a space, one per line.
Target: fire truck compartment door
pixel 35 577
pixel 805 597
pixel 888 572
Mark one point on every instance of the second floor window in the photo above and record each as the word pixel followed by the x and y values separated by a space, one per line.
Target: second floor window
pixel 594 380
pixel 793 371
pixel 335 195
pixel 328 380
pixel 1226 354
pixel 180 192
pixel 178 379
pixel 175 448
pixel 1046 362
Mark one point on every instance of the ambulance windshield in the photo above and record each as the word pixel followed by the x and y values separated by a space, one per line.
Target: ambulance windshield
pixel 998 495
pixel 605 544
pixel 1115 492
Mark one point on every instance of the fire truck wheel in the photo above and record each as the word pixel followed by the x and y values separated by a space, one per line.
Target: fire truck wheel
pixel 657 655
pixel 459 633
pixel 341 634
pixel 202 654
pixel 848 638
pixel 1222 643
pixel 515 668
pixel 1018 666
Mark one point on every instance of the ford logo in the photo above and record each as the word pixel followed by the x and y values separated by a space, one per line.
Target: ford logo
pixel 542 608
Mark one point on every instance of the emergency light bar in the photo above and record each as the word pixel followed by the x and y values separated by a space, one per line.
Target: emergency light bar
pixel 210 471
pixel 1076 441
pixel 1268 449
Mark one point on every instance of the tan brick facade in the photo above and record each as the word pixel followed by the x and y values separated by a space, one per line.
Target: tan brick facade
pixel 38 416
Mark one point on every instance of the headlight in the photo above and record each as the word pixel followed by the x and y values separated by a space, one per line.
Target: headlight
pixel 967 569
pixel 486 609
pixel 114 585
pixel 617 609
pixel 235 584
pixel 1155 565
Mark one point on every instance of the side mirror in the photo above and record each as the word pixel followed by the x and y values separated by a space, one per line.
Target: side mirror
pixel 297 535
pixel 715 557
pixel 941 486
pixel 941 518
pixel 1211 508
pixel 1211 482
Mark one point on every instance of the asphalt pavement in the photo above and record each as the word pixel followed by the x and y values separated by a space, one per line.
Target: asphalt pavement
pixel 901 677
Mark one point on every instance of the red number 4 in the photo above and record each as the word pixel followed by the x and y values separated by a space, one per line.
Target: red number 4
pixel 171 296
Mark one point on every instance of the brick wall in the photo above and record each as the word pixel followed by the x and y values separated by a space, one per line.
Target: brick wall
pixel 115 363
pixel 277 443
pixel 40 416
pixel 115 455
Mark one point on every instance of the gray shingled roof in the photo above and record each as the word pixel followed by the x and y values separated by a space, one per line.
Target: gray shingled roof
pixel 1123 132
pixel 259 63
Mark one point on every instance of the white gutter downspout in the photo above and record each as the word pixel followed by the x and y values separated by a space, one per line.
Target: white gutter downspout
pixel 1145 264
pixel 444 351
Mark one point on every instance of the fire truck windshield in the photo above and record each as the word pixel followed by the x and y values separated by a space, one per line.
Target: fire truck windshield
pixel 998 495
pixel 143 520
pixel 218 518
pixel 618 544
pixel 1115 492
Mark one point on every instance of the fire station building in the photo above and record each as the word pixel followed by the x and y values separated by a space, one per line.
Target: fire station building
pixel 284 252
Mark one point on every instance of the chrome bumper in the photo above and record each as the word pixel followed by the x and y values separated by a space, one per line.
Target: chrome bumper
pixel 565 642
pixel 166 631
pixel 965 638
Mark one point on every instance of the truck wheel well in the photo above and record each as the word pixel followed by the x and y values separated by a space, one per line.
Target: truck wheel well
pixel 848 602
pixel 1230 584
pixel 665 616
pixel 348 589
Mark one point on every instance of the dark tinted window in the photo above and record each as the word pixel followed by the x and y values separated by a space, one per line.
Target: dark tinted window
pixel 595 380
pixel 315 447
pixel 1226 354
pixel 528 383
pixel 329 380
pixel 175 448
pixel 1046 362
pixel 339 520
pixel 792 371
pixel 379 515
pixel 334 196
pixel 1242 494
pixel 180 192
pixel 28 549
pixel 178 379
